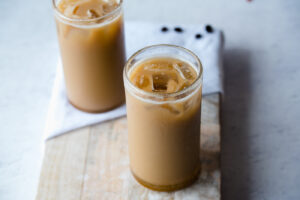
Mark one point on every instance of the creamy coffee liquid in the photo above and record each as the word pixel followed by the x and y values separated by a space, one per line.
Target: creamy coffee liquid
pixel 86 9
pixel 163 75
pixel 93 53
pixel 164 138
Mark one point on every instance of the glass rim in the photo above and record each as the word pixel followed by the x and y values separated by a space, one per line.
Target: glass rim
pixel 64 17
pixel 158 95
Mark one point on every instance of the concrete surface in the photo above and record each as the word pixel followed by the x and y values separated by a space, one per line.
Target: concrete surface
pixel 261 108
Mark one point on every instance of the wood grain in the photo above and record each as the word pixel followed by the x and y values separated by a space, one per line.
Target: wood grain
pixel 93 163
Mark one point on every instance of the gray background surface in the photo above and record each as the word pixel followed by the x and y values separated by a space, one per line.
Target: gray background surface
pixel 261 108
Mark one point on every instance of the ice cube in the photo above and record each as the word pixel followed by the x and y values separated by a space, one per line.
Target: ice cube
pixel 184 71
pixel 172 86
pixel 187 72
pixel 187 105
pixel 152 68
pixel 171 108
pixel 142 81
pixel 160 82
pixel 184 85
pixel 109 6
pixel 69 11
pixel 91 13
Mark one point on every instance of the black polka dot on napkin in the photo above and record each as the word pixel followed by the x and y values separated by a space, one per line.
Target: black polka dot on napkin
pixel 209 28
pixel 178 29
pixel 164 29
pixel 198 36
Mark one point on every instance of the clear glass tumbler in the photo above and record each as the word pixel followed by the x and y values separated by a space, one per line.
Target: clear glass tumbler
pixel 164 129
pixel 92 52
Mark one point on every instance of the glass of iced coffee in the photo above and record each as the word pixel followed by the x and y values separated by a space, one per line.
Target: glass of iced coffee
pixel 91 40
pixel 163 86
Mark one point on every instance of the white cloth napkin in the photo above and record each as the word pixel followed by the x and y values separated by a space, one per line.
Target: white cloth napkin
pixel 63 117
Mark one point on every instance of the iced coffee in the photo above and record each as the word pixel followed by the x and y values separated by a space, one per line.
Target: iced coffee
pixel 163 86
pixel 91 38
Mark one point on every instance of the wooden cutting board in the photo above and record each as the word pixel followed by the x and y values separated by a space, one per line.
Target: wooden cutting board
pixel 92 163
